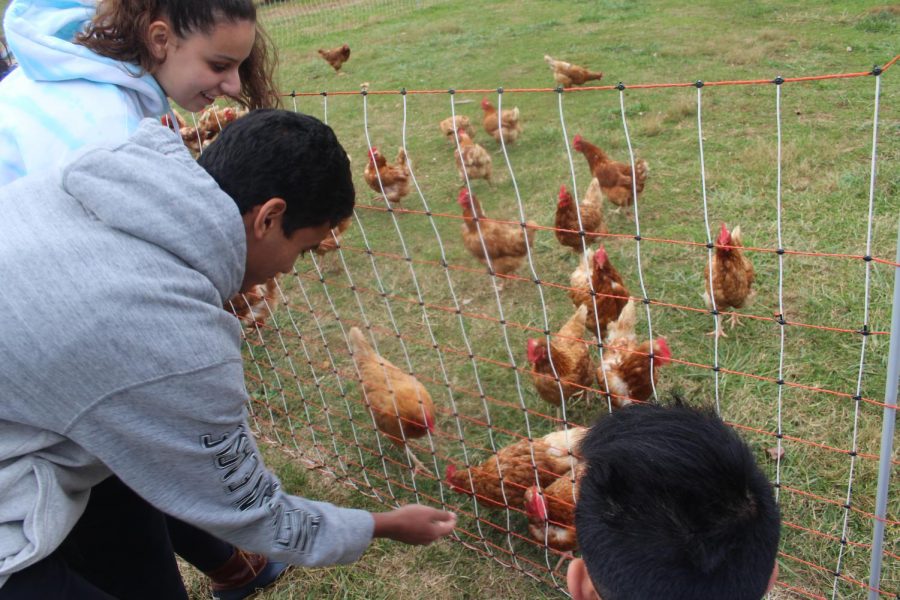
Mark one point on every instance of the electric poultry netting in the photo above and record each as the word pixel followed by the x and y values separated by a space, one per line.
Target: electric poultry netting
pixel 463 283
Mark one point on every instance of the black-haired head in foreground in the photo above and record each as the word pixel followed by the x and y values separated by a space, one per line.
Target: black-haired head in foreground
pixel 273 153
pixel 673 505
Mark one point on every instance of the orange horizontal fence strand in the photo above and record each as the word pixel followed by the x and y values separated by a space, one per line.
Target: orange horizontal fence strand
pixel 417 446
pixel 521 326
pixel 839 576
pixel 463 510
pixel 628 236
pixel 639 86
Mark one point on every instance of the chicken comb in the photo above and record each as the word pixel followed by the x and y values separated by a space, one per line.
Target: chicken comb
pixel 600 256
pixel 662 355
pixel 532 350
pixel 535 506
pixel 464 199
pixel 563 192
pixel 577 141
pixel 724 236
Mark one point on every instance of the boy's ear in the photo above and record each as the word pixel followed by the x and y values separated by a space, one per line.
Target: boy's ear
pixel 158 35
pixel 580 585
pixel 264 218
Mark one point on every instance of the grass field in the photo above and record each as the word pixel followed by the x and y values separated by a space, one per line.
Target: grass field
pixel 826 153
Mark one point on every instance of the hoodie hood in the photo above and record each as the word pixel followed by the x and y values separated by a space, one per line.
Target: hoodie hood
pixel 192 218
pixel 40 34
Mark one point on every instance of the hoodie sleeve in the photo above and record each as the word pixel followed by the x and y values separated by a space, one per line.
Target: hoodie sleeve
pixel 183 444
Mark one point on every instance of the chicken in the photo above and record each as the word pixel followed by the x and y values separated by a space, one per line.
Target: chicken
pixel 393 179
pixel 213 119
pixel 451 124
pixel 610 292
pixel 514 467
pixel 615 178
pixel 166 120
pixel 401 406
pixel 566 74
pixel 332 241
pixel 551 511
pixel 627 363
pixel 336 57
pixel 732 276
pixel 209 123
pixel 570 357
pixel 472 160
pixel 591 211
pixel 255 306
pixel 506 243
pixel 509 119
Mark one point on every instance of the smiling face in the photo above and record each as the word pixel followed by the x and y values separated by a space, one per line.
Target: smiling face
pixel 196 69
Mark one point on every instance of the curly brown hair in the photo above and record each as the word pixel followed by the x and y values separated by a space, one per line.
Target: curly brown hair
pixel 119 31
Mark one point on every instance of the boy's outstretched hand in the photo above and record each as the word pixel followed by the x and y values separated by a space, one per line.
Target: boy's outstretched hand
pixel 414 524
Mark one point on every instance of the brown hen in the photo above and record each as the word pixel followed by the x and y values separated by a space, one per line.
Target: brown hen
pixel 732 277
pixel 401 406
pixel 570 357
pixel 591 212
pixel 502 479
pixel 615 177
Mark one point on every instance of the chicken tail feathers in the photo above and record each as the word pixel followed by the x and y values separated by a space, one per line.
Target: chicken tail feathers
pixel 359 344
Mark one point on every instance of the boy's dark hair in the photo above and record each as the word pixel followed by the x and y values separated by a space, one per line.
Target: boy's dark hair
pixel 674 506
pixel 273 153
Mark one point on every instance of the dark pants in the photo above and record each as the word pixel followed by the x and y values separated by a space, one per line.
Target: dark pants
pixel 122 547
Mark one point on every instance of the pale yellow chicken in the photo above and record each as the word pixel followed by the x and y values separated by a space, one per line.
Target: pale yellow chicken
pixel 472 160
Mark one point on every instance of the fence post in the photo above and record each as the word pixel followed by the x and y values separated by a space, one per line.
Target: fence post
pixel 887 436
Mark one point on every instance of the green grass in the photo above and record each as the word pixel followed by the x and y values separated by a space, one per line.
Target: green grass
pixel 826 153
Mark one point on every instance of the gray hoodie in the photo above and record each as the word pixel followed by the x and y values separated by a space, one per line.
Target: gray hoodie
pixel 116 357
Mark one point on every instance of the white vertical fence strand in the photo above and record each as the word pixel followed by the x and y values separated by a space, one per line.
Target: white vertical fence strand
pixel 341 389
pixel 317 446
pixel 568 147
pixel 253 358
pixel 865 336
pixel 197 131
pixel 540 290
pixel 317 381
pixel 368 327
pixel 415 280
pixel 456 305
pixel 487 411
pixel 637 239
pixel 710 249
pixel 335 371
pixel 279 386
pixel 390 312
pixel 781 316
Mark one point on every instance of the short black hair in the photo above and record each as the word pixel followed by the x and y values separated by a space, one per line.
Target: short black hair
pixel 673 505
pixel 273 153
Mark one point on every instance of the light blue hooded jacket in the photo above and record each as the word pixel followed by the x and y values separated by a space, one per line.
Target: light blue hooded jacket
pixel 62 96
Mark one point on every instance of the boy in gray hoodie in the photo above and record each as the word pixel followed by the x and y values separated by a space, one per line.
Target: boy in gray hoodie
pixel 121 375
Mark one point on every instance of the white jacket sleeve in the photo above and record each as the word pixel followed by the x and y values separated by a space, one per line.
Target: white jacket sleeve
pixel 183 444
